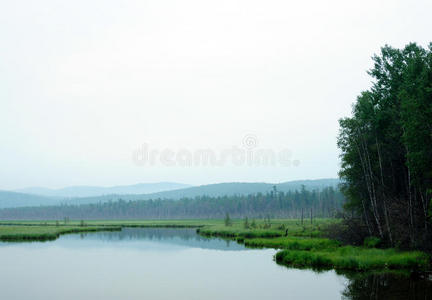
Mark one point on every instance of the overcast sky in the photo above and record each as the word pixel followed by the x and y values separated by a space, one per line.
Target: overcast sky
pixel 85 85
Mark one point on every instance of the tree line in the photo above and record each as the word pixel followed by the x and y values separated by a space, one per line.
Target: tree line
pixel 326 202
pixel 386 148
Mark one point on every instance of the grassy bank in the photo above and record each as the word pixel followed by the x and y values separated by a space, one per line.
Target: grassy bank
pixel 32 230
pixel 48 230
pixel 45 232
pixel 193 223
pixel 303 246
pixel 292 243
pixel 353 258
pixel 277 228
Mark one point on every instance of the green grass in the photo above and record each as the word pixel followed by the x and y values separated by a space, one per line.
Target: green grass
pixel 292 243
pixel 32 230
pixel 45 232
pixel 239 232
pixel 193 223
pixel 279 227
pixel 354 258
pixel 304 247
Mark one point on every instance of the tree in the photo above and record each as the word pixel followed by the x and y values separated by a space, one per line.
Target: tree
pixel 386 148
pixel 227 220
pixel 246 223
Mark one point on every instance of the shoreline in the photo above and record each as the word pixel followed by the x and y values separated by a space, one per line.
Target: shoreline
pixel 299 245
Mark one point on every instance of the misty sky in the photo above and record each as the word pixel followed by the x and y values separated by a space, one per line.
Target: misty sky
pixel 84 84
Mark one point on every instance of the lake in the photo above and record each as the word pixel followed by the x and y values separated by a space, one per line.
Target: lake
pixel 164 263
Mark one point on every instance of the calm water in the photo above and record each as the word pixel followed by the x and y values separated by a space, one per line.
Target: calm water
pixel 140 263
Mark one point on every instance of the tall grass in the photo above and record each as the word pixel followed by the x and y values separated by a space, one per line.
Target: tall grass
pixel 354 258
pixel 292 243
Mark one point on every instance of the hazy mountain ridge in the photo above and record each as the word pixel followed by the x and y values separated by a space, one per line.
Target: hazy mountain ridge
pixel 14 199
pixel 240 188
pixel 325 204
pixel 95 191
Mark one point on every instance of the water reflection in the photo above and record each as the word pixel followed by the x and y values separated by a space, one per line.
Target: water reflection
pixel 148 237
pixel 397 286
pixel 167 263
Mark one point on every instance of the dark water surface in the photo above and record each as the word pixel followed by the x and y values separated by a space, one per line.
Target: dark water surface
pixel 163 263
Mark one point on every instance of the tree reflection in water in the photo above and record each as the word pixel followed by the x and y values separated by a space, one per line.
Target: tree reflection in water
pixel 387 286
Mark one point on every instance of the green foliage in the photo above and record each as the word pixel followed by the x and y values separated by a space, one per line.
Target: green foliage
pixel 371 242
pixel 386 148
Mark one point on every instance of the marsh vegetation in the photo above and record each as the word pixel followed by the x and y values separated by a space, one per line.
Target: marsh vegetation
pixel 301 244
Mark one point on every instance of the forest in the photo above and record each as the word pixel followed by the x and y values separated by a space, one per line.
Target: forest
pixel 386 148
pixel 325 202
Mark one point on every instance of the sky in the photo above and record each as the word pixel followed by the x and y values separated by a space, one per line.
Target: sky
pixel 120 92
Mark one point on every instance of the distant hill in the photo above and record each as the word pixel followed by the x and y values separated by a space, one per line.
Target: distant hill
pixel 215 190
pixel 309 184
pixel 95 191
pixel 13 199
pixel 43 196
pixel 293 204
pixel 241 188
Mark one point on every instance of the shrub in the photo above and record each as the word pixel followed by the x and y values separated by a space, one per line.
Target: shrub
pixel 371 242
